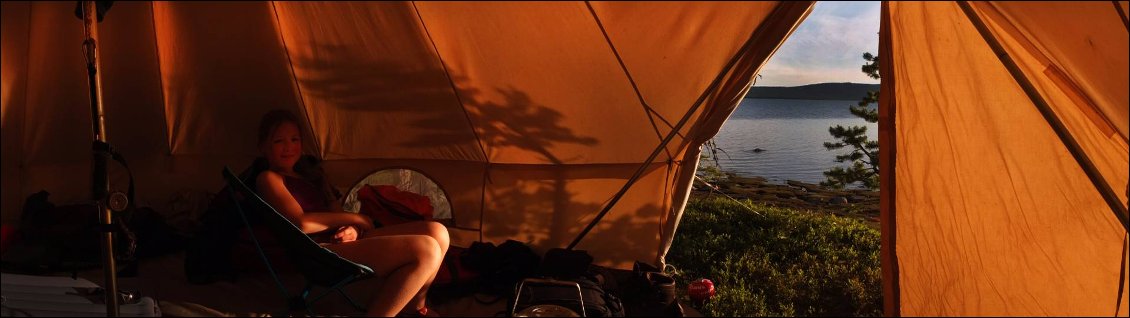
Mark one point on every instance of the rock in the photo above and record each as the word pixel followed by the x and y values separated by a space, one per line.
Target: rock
pixel 777 191
pixel 813 199
pixel 873 194
pixel 807 186
pixel 796 202
pixel 749 180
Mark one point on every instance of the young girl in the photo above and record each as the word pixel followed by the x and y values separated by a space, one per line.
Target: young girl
pixel 407 256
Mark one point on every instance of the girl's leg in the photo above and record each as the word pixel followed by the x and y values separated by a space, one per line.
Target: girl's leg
pixel 406 262
pixel 432 229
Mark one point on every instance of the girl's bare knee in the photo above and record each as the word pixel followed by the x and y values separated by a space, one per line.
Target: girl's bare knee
pixel 439 232
pixel 427 250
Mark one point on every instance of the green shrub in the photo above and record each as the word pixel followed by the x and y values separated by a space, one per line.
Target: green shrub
pixel 778 262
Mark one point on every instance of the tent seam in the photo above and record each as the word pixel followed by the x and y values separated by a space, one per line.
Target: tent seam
pixel 1121 275
pixel 451 81
pixel 1121 14
pixel 297 88
pixel 482 198
pixel 759 32
pixel 646 108
pixel 470 123
pixel 1068 141
pixel 161 79
pixel 1068 85
pixel 667 211
pixel 23 111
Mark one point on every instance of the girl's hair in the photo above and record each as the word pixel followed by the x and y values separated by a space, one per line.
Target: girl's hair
pixel 273 119
pixel 309 168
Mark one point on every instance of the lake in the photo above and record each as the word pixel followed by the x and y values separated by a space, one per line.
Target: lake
pixel 792 133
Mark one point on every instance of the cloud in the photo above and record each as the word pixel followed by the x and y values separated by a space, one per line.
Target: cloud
pixel 828 46
pixel 786 75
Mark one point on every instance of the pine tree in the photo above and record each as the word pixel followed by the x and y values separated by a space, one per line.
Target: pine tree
pixel 864 153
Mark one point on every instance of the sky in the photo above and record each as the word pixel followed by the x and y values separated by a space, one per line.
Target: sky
pixel 828 46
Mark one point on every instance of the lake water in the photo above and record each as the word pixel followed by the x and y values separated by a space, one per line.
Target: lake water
pixel 792 133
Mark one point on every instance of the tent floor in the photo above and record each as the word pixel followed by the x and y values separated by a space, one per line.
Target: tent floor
pixel 255 294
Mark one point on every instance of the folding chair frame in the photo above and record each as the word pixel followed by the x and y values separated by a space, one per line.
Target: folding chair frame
pixel 301 301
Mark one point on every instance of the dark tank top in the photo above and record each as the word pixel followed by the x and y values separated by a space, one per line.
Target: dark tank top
pixel 312 199
pixel 309 196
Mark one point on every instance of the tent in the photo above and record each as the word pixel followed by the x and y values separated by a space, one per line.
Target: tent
pixel 532 115
pixel 988 207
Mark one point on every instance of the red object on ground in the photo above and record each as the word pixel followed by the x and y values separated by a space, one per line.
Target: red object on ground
pixel 701 290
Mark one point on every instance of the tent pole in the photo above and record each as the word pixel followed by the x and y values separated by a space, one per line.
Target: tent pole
pixel 101 184
pixel 1072 146
pixel 888 188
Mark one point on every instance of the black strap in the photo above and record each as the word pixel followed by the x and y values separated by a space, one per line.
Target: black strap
pixel 1121 277
pixel 103 147
pixel 101 7
pixel 108 228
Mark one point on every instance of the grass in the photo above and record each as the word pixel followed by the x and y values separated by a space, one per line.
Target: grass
pixel 778 262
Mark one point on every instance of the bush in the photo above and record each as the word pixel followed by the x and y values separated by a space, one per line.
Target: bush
pixel 778 262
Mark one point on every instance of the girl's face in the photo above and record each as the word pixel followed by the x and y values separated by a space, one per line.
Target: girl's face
pixel 284 147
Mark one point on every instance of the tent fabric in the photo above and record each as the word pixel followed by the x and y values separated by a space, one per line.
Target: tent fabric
pixel 990 213
pixel 530 115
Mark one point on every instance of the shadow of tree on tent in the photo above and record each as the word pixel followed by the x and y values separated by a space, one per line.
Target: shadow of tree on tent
pixel 361 60
pixel 434 114
pixel 533 203
pixel 547 222
pixel 345 79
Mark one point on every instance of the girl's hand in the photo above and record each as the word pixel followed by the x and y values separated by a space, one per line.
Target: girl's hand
pixel 346 234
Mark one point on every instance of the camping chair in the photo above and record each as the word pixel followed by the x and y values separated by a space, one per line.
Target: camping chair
pixel 320 266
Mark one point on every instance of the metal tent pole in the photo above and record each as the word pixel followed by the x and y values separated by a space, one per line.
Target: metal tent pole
pixel 101 184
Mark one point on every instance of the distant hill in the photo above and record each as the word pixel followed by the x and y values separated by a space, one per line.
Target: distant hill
pixel 835 91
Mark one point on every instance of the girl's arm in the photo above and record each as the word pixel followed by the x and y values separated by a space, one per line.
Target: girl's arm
pixel 271 187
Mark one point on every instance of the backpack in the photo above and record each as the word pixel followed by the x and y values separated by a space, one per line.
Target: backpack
pixel 500 267
pixel 67 238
